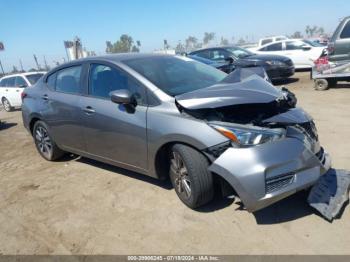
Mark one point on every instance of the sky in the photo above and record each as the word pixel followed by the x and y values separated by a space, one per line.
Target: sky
pixel 40 26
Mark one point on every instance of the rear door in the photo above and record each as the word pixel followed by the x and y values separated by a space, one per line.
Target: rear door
pixel 60 107
pixel 10 91
pixel 3 84
pixel 114 132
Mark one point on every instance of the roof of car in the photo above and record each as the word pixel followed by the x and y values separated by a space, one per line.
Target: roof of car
pixel 213 47
pixel 23 74
pixel 121 56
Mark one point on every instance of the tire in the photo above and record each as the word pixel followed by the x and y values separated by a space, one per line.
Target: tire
pixel 6 104
pixel 321 84
pixel 188 170
pixel 44 143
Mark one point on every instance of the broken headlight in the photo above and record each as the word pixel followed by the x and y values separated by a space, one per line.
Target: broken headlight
pixel 249 136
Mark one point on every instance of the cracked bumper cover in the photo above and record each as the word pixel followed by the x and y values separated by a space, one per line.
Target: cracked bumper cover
pixel 247 170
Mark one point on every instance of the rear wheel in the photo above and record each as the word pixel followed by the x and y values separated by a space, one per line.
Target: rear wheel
pixel 321 84
pixel 6 104
pixel 190 177
pixel 44 143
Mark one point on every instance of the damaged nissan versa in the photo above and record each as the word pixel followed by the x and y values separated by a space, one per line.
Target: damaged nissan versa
pixel 168 116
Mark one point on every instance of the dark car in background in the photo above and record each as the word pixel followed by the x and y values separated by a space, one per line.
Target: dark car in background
pixel 339 45
pixel 276 67
pixel 228 67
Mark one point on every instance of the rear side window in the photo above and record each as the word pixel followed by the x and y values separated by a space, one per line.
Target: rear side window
pixel 3 82
pixel 68 80
pixel 204 54
pixel 10 82
pixel 346 31
pixel 295 45
pixel 272 47
pixel 20 82
pixel 51 81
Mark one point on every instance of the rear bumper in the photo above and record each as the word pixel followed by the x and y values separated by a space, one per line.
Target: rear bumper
pixel 265 174
pixel 280 72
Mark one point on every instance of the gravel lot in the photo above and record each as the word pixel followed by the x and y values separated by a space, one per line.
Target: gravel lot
pixel 79 206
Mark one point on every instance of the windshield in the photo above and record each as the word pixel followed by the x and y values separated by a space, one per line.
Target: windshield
pixel 313 43
pixel 239 52
pixel 33 78
pixel 176 75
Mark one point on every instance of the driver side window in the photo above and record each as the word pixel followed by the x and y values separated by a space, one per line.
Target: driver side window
pixel 104 79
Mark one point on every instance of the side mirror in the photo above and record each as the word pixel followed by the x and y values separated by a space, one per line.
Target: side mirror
pixel 122 96
pixel 229 59
pixel 306 48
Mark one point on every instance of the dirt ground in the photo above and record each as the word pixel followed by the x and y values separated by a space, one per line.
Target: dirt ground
pixel 79 206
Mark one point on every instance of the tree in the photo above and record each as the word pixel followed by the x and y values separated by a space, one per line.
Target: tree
pixel 208 37
pixel 296 34
pixel 135 49
pixel 179 49
pixel 123 45
pixel 224 41
pixel 191 42
pixel 315 30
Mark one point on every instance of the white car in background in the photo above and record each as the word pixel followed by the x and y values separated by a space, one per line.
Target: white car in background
pixel 303 53
pixel 12 86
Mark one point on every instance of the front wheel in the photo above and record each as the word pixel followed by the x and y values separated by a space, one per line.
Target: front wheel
pixel 44 143
pixel 190 176
pixel 6 104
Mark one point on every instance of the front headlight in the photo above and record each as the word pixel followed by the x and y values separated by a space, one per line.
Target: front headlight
pixel 249 136
pixel 275 63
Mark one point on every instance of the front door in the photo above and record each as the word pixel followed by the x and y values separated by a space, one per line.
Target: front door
pixel 113 132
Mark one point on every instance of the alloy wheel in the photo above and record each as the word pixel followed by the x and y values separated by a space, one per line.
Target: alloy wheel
pixel 181 177
pixel 43 141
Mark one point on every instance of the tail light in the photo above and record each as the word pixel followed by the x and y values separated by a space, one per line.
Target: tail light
pixel 23 95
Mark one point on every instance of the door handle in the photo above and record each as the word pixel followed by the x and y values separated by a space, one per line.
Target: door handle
pixel 45 97
pixel 89 110
pixel 17 90
pixel 6 90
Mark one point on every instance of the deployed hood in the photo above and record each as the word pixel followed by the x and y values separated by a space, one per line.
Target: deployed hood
pixel 252 90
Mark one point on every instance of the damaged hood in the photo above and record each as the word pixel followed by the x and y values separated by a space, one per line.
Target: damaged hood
pixel 252 90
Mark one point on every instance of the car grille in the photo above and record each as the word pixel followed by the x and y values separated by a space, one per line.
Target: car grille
pixel 277 183
pixel 309 129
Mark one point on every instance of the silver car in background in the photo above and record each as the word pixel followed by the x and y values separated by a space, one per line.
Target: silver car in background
pixel 167 116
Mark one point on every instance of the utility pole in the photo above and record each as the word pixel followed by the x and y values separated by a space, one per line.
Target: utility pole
pixel 20 63
pixel 2 69
pixel 36 62
pixel 46 65
pixel 2 48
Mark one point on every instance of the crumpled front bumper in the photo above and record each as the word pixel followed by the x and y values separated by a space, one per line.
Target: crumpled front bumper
pixel 267 173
